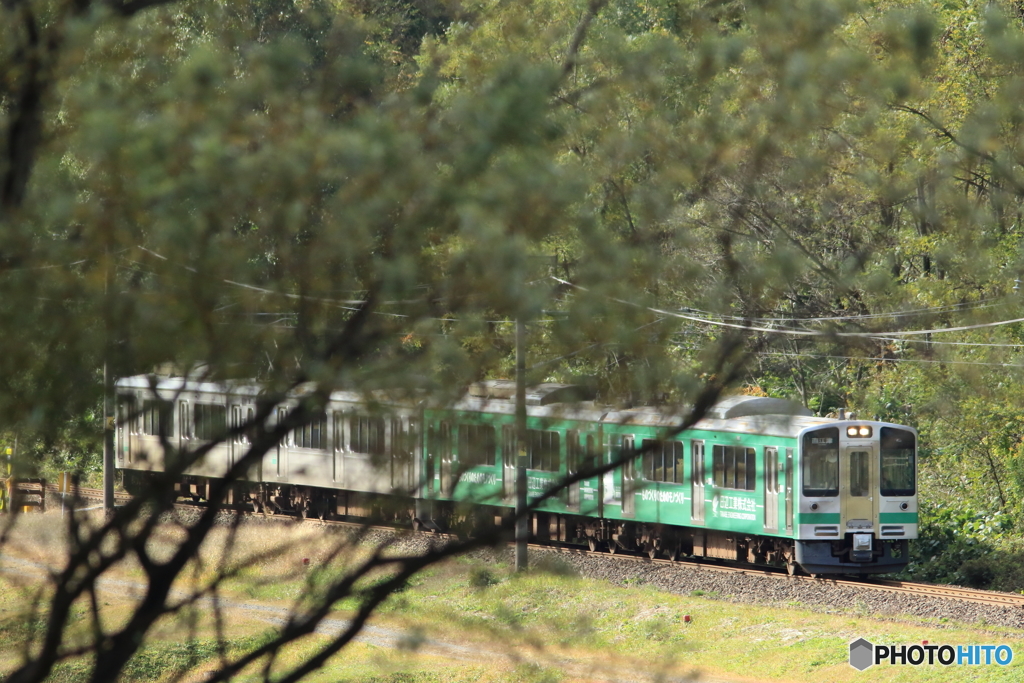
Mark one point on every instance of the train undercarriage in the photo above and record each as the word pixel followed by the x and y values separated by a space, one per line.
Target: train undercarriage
pixel 654 540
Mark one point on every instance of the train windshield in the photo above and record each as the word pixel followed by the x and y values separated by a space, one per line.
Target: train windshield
pixel 897 462
pixel 821 462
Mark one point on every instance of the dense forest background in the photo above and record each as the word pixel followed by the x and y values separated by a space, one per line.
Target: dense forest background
pixel 819 200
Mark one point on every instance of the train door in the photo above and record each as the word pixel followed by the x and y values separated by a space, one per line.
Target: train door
pixel 282 445
pixel 444 455
pixel 338 449
pixel 184 425
pixel 771 489
pixel 572 467
pixel 404 433
pixel 628 479
pixel 236 444
pixel 594 458
pixel 789 489
pixel 858 479
pixel 697 482
pixel 125 422
pixel 508 461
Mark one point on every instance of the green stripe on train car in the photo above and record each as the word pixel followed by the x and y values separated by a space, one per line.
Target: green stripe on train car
pixel 819 518
pixel 898 518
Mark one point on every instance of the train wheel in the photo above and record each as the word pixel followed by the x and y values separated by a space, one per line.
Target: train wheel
pixel 652 552
pixel 791 567
pixel 592 543
pixel 612 547
pixel 673 553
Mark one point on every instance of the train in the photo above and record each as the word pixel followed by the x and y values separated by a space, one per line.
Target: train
pixel 758 479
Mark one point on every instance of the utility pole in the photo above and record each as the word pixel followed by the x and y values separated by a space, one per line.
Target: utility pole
pixel 108 399
pixel 108 443
pixel 522 517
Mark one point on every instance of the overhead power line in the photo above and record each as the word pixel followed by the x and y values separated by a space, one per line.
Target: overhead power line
pixel 789 331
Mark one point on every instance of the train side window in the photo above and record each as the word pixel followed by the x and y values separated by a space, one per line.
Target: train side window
pixel 734 467
pixel 542 450
pixel 653 460
pixel 156 417
pixel 312 435
pixel 209 420
pixel 366 435
pixel 663 461
pixel 476 445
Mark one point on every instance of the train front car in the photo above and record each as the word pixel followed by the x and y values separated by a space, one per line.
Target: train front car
pixel 857 497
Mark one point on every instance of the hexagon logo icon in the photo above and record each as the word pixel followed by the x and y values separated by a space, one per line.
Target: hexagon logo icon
pixel 862 654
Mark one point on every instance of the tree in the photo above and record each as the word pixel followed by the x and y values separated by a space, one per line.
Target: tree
pixel 295 193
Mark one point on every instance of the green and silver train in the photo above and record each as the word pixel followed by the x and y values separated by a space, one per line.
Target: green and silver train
pixel 757 480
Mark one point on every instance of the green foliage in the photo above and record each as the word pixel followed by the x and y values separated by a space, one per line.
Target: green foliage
pixel 481 577
pixel 367 194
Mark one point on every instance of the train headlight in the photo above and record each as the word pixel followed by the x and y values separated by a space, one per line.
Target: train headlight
pixel 864 431
pixel 861 431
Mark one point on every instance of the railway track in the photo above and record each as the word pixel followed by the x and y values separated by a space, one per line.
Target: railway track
pixel 893 586
pixel 44 495
pixel 888 585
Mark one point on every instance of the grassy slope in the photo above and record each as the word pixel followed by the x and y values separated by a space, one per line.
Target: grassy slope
pixel 545 626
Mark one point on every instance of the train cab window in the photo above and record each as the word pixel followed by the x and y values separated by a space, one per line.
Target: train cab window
pixel 734 467
pixel 366 435
pixel 156 418
pixel 897 462
pixel 476 445
pixel 312 435
pixel 663 461
pixel 542 450
pixel 209 421
pixel 821 462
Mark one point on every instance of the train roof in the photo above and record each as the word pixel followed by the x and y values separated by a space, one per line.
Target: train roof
pixel 558 402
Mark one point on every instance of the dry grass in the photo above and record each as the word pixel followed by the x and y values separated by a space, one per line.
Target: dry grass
pixel 463 620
